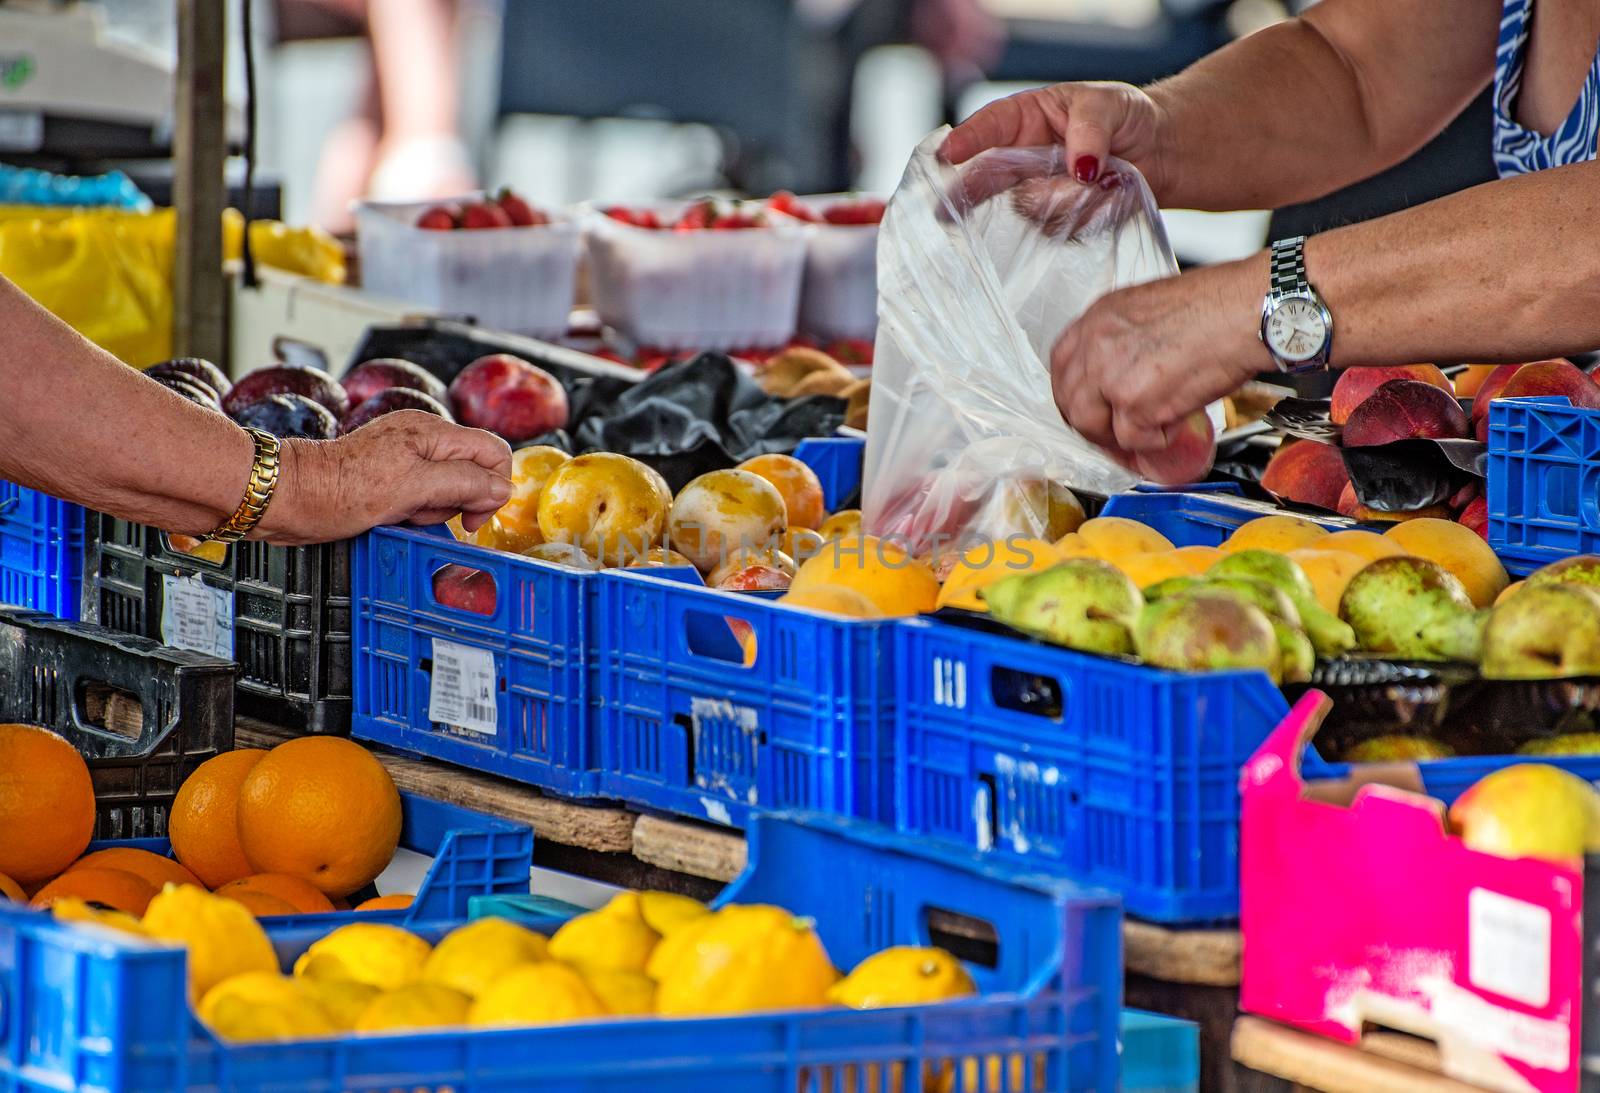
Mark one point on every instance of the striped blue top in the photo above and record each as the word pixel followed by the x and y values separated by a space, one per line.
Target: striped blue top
pixel 1518 150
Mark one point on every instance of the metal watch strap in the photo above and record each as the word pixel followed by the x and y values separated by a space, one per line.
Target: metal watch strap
pixel 1289 265
pixel 258 490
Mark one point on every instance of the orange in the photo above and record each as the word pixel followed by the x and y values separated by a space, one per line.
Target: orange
pixel 11 890
pixel 114 888
pixel 301 895
pixel 321 808
pixel 256 902
pixel 882 571
pixel 798 483
pixel 203 826
pixel 154 868
pixel 398 901
pixel 46 803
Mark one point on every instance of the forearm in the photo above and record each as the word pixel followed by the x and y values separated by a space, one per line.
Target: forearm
pixel 1310 105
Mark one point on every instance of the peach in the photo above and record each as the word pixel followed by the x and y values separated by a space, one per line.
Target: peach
pixel 1306 472
pixel 531 468
pixel 1470 379
pixel 1355 385
pixel 1369 544
pixel 985 563
pixel 1192 447
pixel 1460 550
pixel 1545 378
pixel 1476 517
pixel 509 396
pixel 1046 510
pixel 465 589
pixel 752 578
pixel 1280 533
pixel 840 524
pixel 721 511
pixel 1402 410
pixel 1490 389
pixel 657 557
pixel 882 571
pixel 832 599
pixel 1145 570
pixel 798 483
pixel 1112 538
pixel 1329 571
pixel 745 557
pixel 1199 558
pixel 567 554
pixel 800 543
pixel 611 506
pixel 1507 592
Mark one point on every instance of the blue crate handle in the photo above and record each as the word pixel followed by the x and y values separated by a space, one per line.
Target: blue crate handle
pixel 8 504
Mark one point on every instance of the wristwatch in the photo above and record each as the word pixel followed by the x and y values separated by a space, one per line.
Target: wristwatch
pixel 1296 326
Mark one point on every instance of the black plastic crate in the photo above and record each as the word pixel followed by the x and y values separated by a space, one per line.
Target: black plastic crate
pixel 283 615
pixel 143 715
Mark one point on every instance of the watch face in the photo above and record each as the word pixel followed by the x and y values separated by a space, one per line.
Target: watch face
pixel 1296 329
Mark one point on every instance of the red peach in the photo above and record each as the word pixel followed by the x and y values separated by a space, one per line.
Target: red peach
pixel 754 578
pixel 509 396
pixel 1476 517
pixel 1544 378
pixel 1189 457
pixel 1355 385
pixel 1404 409
pixel 1308 472
pixel 465 589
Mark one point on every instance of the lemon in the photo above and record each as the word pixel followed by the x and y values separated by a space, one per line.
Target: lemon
pixel 343 1000
pixel 468 959
pixel 414 1006
pixel 903 976
pixel 73 909
pixel 375 953
pixel 675 945
pixel 616 937
pixel 622 992
pixel 263 1006
pixel 223 939
pixel 664 912
pixel 537 994
pixel 748 958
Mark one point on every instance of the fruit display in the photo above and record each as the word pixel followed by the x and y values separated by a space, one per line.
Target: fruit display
pixel 506 209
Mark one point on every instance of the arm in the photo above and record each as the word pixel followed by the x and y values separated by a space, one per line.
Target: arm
pixel 1508 271
pixel 80 425
pixel 1300 109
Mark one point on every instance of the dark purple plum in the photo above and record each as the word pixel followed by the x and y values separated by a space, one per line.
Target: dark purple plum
pixel 311 383
pixel 387 402
pixel 369 377
pixel 289 416
pixel 191 389
pixel 194 368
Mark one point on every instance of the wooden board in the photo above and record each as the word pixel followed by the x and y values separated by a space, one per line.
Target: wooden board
pixel 696 849
pixel 1208 958
pixel 1384 1063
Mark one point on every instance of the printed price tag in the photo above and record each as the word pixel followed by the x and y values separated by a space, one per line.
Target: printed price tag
pixel 1508 947
pixel 464 687
pixel 196 616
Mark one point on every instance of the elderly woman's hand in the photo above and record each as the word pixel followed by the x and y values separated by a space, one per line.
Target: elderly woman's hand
pixel 405 467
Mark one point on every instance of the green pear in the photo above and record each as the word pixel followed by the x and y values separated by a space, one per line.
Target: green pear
pixel 1408 607
pixel 1579 569
pixel 1083 603
pixel 1208 630
pixel 1455 636
pixel 1572 743
pixel 1270 598
pixel 1545 631
pixel 1172 586
pixel 1388 749
pixel 1529 810
pixel 1328 635
pixel 1296 656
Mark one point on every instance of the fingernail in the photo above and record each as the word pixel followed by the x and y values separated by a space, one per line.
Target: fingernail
pixel 1086 169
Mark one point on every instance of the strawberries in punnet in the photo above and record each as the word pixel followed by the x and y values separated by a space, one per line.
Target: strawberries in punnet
pixel 785 202
pixel 440 218
pixel 484 214
pixel 518 211
pixel 866 211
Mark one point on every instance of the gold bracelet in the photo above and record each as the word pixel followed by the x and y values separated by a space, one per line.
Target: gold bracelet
pixel 257 492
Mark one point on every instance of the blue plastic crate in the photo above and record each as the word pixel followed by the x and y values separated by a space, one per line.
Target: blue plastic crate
pixel 1160 1054
pixel 1201 517
pixel 687 727
pixel 1544 481
pixel 41 551
pixel 540 636
pixel 837 462
pixel 101 1010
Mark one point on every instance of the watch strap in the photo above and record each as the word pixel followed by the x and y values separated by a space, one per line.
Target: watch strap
pixel 1289 265
pixel 257 491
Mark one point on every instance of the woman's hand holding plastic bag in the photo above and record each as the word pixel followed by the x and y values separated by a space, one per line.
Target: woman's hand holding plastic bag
pixel 980 269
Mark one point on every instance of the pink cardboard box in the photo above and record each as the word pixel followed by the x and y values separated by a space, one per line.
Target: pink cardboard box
pixel 1358 908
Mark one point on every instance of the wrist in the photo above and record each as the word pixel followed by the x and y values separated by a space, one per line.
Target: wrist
pixel 1243 287
pixel 295 501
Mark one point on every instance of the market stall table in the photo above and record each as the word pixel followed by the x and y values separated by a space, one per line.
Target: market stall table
pixel 1385 1062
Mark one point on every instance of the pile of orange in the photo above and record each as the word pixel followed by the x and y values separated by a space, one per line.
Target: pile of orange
pixel 293 830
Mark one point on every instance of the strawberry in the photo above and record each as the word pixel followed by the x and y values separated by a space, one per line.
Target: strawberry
pixel 440 218
pixel 696 216
pixel 785 202
pixel 866 211
pixel 735 222
pixel 484 214
pixel 518 211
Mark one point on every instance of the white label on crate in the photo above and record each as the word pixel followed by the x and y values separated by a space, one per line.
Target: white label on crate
pixel 20 130
pixel 1537 1041
pixel 464 687
pixel 1508 947
pixel 196 616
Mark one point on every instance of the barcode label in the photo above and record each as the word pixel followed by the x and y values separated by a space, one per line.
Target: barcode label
pixel 196 616
pixel 463 689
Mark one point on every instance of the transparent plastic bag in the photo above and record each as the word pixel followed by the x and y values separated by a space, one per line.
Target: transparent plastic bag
pixel 980 268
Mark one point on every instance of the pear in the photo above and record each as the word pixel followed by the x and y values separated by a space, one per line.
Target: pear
pixel 1572 743
pixel 1409 607
pixel 1208 630
pixel 1395 747
pixel 1269 598
pixel 1083 603
pixel 1296 656
pixel 1546 631
pixel 1455 636
pixel 1579 569
pixel 1529 810
pixel 1328 635
pixel 1172 586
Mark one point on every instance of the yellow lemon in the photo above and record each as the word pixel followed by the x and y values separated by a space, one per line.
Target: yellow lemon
pixel 375 953
pixel 748 958
pixel 1369 544
pixel 675 945
pixel 1329 571
pixel 73 909
pixel 263 1006
pixel 882 571
pixel 471 957
pixel 343 1000
pixel 414 1006
pixel 1280 533
pixel 1113 538
pixel 616 937
pixel 537 994
pixel 903 976
pixel 223 939
pixel 982 565
pixel 623 993
pixel 664 912
pixel 835 600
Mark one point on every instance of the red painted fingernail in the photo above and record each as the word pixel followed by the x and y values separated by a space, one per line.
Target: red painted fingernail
pixel 1086 169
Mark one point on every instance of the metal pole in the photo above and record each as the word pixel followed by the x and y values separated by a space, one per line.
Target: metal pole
pixel 198 189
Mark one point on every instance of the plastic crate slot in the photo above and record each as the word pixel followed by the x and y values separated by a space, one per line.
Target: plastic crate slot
pixel 650 750
pixel 986 811
pixel 42 708
pixel 720 637
pixel 110 708
pixel 531 723
pixel 949 682
pixel 792 773
pixel 471 590
pixel 965 937
pixel 257 654
pixel 1026 693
